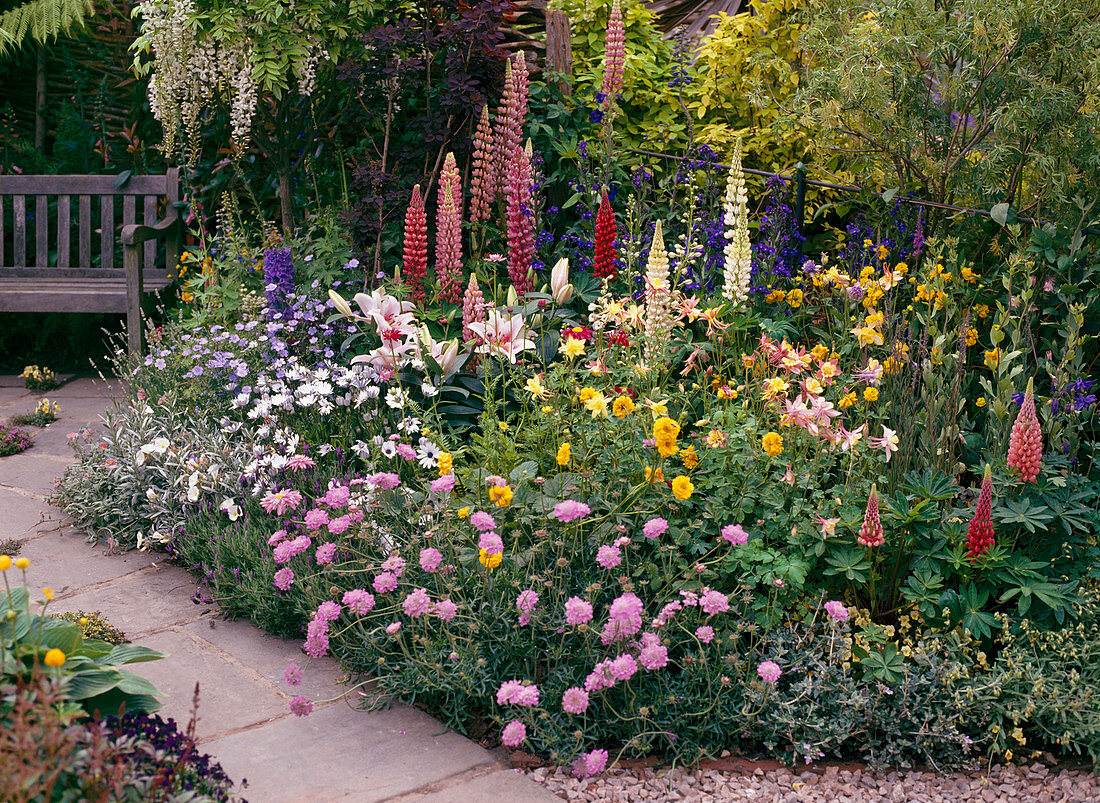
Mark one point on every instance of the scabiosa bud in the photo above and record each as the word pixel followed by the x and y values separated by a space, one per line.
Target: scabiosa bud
pixel 870 534
pixel 415 261
pixel 614 58
pixel 521 221
pixel 278 277
pixel 979 535
pixel 448 244
pixel 1025 444
pixel 604 263
pixel 483 184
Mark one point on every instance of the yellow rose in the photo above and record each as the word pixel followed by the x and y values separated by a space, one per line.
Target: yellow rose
pixel 501 495
pixel 623 406
pixel 689 457
pixel 772 443
pixel 445 463
pixel 682 488
pixel 564 453
pixel 870 394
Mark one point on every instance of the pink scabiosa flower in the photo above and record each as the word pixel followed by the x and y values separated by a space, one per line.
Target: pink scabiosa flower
pixel 574 701
pixel 284 578
pixel 384 479
pixel 603 264
pixel 713 602
pixel 769 671
pixel 491 542
pixel 592 763
pixel 445 610
pixel 385 582
pixel 614 59
pixel 337 496
pixel 735 534
pixel 430 558
pixel 514 733
pixel 600 677
pixel 339 525
pixel 443 484
pixel 653 654
pixel 609 556
pixel 316 519
pixel 577 611
pixel 515 692
pixel 625 618
pixel 837 610
pixel 482 521
pixel 570 510
pixel 327 611
pixel 654 527
pixel 483 183
pixel 520 219
pixel 415 258
pixel 526 602
pixel 979 535
pixel 417 603
pixel 292 675
pixel 288 549
pixel 395 564
pixel 705 634
pixel 1025 444
pixel 358 601
pixel 276 537
pixel 448 239
pixel 325 553
pixel 624 667
pixel 473 310
pixel 301 707
pixel 870 533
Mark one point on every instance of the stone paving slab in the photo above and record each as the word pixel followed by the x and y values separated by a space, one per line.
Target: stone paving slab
pixel 335 754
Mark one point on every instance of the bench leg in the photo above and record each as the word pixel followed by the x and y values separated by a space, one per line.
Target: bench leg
pixel 131 259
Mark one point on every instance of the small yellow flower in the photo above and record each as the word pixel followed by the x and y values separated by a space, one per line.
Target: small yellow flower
pixel 547 409
pixel 658 408
pixel 445 463
pixel 47 592
pixel 5 563
pixel 54 658
pixel 716 439
pixel 775 296
pixel 22 563
pixel 993 358
pixel 794 299
pixel 971 336
pixel 969 274
pixel 980 401
pixel 586 393
pixel 463 512
pixel 535 387
pixel 982 310
pixel 870 394
pixel 654 476
pixel 772 443
pixel 726 392
pixel 682 488
pixel 623 406
pixel 501 495
pixel 565 451
pixel 597 405
pixel 573 347
pixel 490 561
pixel 847 400
pixel 665 428
pixel 82 621
pixel 689 457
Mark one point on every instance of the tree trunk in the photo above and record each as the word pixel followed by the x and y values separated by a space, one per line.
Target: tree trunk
pixel 286 207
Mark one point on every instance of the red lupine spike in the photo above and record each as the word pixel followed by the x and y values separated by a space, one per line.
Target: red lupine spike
pixel 603 265
pixel 979 535
pixel 1025 444
pixel 484 182
pixel 415 261
pixel 870 533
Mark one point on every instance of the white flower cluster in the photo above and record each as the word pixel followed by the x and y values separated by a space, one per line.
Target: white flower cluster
pixel 738 261
pixel 658 302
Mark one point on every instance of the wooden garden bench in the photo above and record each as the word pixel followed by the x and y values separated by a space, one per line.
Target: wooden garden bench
pixel 69 274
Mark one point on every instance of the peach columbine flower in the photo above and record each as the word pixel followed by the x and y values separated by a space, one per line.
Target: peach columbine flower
pixel 888 441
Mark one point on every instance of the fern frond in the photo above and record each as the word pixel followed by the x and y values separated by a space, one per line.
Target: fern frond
pixel 40 21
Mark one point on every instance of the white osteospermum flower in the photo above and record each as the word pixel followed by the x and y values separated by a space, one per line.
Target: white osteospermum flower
pixel 389 450
pixel 410 425
pixel 428 454
pixel 361 449
pixel 396 398
pixel 230 508
pixel 428 389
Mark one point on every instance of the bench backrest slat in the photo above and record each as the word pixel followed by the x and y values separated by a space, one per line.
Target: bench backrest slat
pixel 107 230
pixel 42 231
pixel 81 185
pixel 1 229
pixel 84 225
pixel 149 217
pixel 19 229
pixel 64 225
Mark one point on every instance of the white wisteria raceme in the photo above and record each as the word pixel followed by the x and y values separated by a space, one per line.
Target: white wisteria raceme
pixel 738 252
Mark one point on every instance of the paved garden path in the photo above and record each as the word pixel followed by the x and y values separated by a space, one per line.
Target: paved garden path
pixel 337 753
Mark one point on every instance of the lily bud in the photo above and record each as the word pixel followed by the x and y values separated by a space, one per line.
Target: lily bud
pixel 560 288
pixel 513 296
pixel 340 303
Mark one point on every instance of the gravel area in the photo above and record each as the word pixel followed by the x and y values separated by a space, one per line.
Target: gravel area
pixel 830 784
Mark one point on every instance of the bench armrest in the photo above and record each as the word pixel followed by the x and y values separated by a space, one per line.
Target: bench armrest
pixel 136 233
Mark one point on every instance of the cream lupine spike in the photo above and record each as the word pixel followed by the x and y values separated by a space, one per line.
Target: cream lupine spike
pixel 738 251
pixel 658 301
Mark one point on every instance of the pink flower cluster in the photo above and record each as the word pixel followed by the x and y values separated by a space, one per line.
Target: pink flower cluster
pixel 735 534
pixel 526 602
pixel 570 510
pixel 837 610
pixel 417 603
pixel 592 763
pixel 514 733
pixel 574 701
pixel 316 643
pixel 654 527
pixel 430 558
pixel 482 521
pixel 278 502
pixel 609 556
pixel 358 601
pixel 577 611
pixel 491 543
pixel 288 549
pixel 283 578
pixel 515 692
pixel 625 618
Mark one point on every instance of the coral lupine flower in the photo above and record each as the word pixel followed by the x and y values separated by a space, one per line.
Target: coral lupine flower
pixel 603 265
pixel 473 310
pixel 1025 444
pixel 979 535
pixel 870 533
pixel 415 259
pixel 448 241
pixel 614 59
pixel 484 180
pixel 520 219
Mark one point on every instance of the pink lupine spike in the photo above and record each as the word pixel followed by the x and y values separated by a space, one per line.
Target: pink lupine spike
pixel 979 535
pixel 415 261
pixel 603 265
pixel 484 182
pixel 1025 444
pixel 450 174
pixel 501 154
pixel 614 59
pixel 870 533
pixel 473 310
pixel 448 244
pixel 514 109
pixel 521 220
